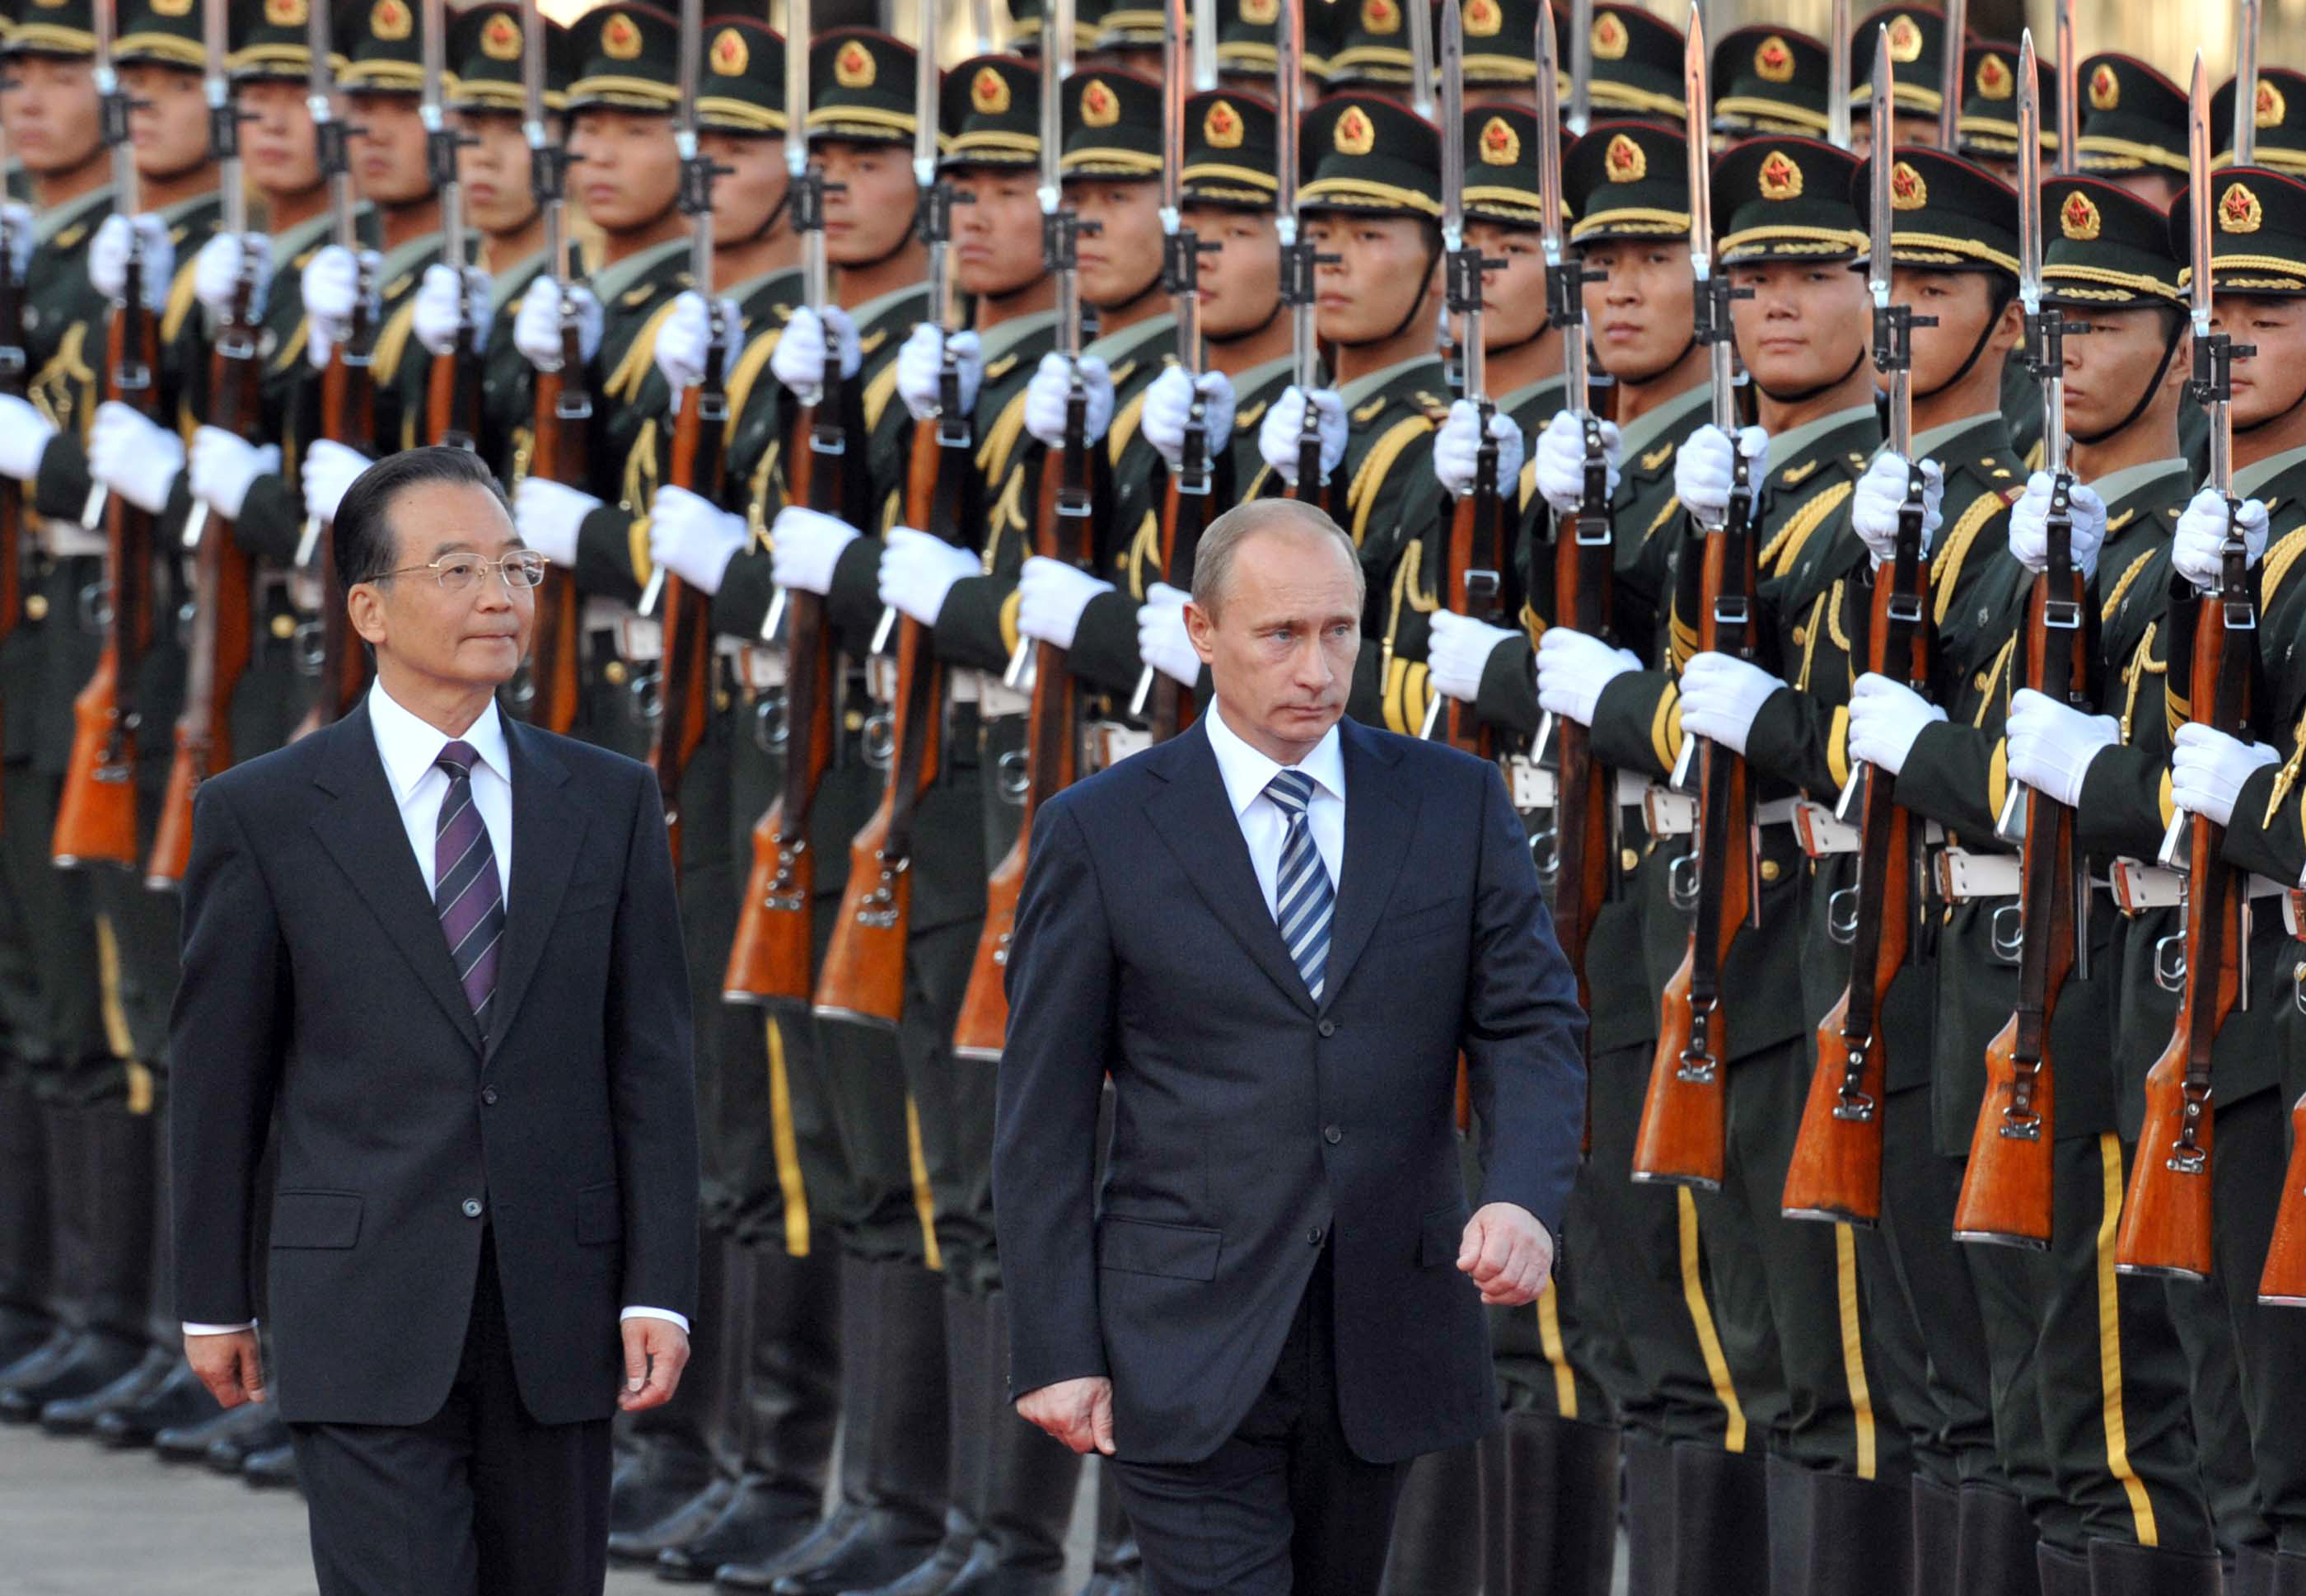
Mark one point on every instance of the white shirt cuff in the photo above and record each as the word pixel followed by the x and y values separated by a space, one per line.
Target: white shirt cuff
pixel 662 1313
pixel 193 1329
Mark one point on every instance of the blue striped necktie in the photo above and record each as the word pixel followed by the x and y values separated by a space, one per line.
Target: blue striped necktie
pixel 465 888
pixel 1303 897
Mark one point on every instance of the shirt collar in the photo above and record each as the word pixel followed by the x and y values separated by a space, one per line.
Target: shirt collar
pixel 1360 389
pixel 410 747
pixel 1934 443
pixel 611 282
pixel 1789 446
pixel 1646 429
pixel 1247 773
pixel 71 210
pixel 2249 479
pixel 2118 485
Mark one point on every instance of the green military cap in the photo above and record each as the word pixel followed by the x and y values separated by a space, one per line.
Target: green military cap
pixel 1628 180
pixel 2281 120
pixel 1786 199
pixel 1232 150
pixel 2104 248
pixel 53 28
pixel 740 87
pixel 2258 241
pixel 1501 166
pixel 860 88
pixel 1637 62
pixel 990 113
pixel 1112 122
pixel 1916 58
pixel 1769 80
pixel 487 49
pixel 628 59
pixel 1248 39
pixel 383 47
pixel 1131 28
pixel 160 33
pixel 1987 125
pixel 1369 41
pixel 2133 119
pixel 1945 213
pixel 275 43
pixel 1026 18
pixel 1501 36
pixel 1361 153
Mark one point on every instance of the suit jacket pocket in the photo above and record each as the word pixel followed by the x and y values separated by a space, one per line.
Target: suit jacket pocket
pixel 1148 1247
pixel 1423 920
pixel 600 1215
pixel 305 1218
pixel 588 897
pixel 1442 1233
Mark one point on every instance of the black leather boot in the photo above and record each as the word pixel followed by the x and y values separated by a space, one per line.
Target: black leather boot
pixel 969 1436
pixel 2120 1568
pixel 1859 1541
pixel 1116 1567
pixel 1997 1542
pixel 2254 1572
pixel 1561 1530
pixel 2060 1573
pixel 1437 1527
pixel 671 1463
pixel 71 1252
pixel 77 1415
pixel 176 1400
pixel 27 1279
pixel 192 1441
pixel 1649 1516
pixel 113 1193
pixel 2289 1575
pixel 1934 1515
pixel 1723 1523
pixel 1030 1483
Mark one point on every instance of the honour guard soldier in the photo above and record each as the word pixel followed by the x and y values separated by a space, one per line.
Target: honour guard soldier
pixel 1918 45
pixel 1769 80
pixel 1637 63
pixel 1987 134
pixel 2134 127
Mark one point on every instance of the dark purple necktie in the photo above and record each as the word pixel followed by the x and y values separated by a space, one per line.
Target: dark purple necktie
pixel 466 892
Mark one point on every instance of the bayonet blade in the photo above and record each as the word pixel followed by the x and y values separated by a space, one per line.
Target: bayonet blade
pixel 1580 66
pixel 2069 111
pixel 1172 114
pixel 1697 113
pixel 1205 45
pixel 2029 175
pixel 1956 33
pixel 925 101
pixel 1419 15
pixel 2245 134
pixel 1056 49
pixel 1288 89
pixel 2198 196
pixel 797 25
pixel 1885 135
pixel 1549 135
pixel 1453 120
pixel 1837 77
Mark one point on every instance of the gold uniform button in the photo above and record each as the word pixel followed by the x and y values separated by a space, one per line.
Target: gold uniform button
pixel 855 720
pixel 1770 870
pixel 1627 859
pixel 36 606
pixel 615 672
pixel 284 626
pixel 1801 636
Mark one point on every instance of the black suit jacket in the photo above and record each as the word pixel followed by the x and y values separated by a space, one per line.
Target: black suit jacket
pixel 1252 1126
pixel 317 984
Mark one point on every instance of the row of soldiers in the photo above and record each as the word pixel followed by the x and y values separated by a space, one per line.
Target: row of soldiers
pixel 812 532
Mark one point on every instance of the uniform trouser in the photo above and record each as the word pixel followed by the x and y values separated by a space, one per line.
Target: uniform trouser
pixel 27 1278
pixel 67 1050
pixel 708 924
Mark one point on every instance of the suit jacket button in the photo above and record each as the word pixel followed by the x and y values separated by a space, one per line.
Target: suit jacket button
pixel 1313 1236
pixel 1332 1135
pixel 1328 1027
pixel 472 1206
pixel 489 1095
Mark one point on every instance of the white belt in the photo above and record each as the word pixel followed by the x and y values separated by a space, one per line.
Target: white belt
pixel 1113 741
pixel 2138 886
pixel 1536 786
pixel 994 699
pixel 1670 814
pixel 69 539
pixel 603 615
pixel 1821 834
pixel 1964 876
pixel 639 638
pixel 1776 812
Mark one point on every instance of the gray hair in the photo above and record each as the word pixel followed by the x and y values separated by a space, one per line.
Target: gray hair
pixel 1213 555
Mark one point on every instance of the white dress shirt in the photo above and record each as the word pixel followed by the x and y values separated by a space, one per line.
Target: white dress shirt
pixel 1264 823
pixel 410 748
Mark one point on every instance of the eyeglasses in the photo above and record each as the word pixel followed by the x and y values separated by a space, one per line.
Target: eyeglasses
pixel 457 573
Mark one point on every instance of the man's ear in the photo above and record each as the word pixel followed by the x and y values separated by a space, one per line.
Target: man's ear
pixel 364 604
pixel 1201 628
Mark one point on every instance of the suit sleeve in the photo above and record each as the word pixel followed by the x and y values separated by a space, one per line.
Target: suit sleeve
pixel 652 1071
pixel 227 1041
pixel 1062 977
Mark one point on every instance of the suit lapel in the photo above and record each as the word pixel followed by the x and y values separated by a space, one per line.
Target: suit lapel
pixel 1380 818
pixel 548 830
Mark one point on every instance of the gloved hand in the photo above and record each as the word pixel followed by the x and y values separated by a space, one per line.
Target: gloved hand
pixel 536 325
pixel 1456 445
pixel 16 221
pixel 2209 768
pixel 24 434
pixel 682 340
pixel 136 458
pixel 224 466
pixel 920 370
pixel 2201 535
pixel 804 545
pixel 549 515
pixel 918 570
pixel 216 272
pixel 1050 598
pixel 693 538
pixel 1561 460
pixel 1049 393
pixel 1284 424
pixel 1722 696
pixel 332 286
pixel 2029 526
pixel 1458 652
pixel 107 259
pixel 1881 492
pixel 1572 670
pixel 1162 640
pixel 1703 466
pixel 1885 717
pixel 1169 403
pixel 330 469
pixel 2051 745
pixel 801 357
pixel 434 319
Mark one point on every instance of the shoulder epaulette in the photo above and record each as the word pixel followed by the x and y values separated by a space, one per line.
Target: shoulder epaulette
pixel 1370 411
pixel 1436 407
pixel 1246 416
pixel 1657 457
pixel 1794 476
pixel 995 370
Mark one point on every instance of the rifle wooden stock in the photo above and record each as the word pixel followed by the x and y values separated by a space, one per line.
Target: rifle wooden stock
pixel 2282 1282
pixel 452 395
pixel 563 410
pixel 683 697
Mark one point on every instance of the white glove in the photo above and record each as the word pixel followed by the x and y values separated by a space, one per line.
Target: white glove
pixel 2051 745
pixel 1722 696
pixel 549 515
pixel 1572 670
pixel 1457 652
pixel 804 545
pixel 215 271
pixel 107 259
pixel 693 538
pixel 1169 402
pixel 1456 445
pixel 1561 461
pixel 1050 598
pixel 1885 717
pixel 800 358
pixel 331 284
pixel 24 434
pixel 682 340
pixel 2194 548
pixel 918 570
pixel 136 458
pixel 2207 771
pixel 16 218
pixel 434 319
pixel 1881 492
pixel 1702 467
pixel 2030 527
pixel 330 469
pixel 1162 640
pixel 920 370
pixel 1277 438
pixel 536 325
pixel 1047 395
pixel 224 466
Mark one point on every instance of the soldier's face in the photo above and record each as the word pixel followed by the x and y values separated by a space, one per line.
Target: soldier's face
pixel 1642 309
pixel 472 638
pixel 1241 277
pixel 1383 270
pixel 1281 641
pixel 2158 189
pixel 1963 303
pixel 868 200
pixel 51 113
pixel 1513 291
pixel 1120 250
pixel 2269 382
pixel 1805 326
pixel 386 149
pixel 1520 96
pixel 748 195
pixel 1921 130
pixel 997 232
pixel 167 119
pixel 2107 369
pixel 494 172
pixel 278 151
pixel 629 171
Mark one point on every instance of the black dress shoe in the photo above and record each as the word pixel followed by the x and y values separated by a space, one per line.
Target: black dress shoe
pixel 689 1520
pixel 94 1360
pixel 38 1359
pixel 77 1415
pixel 272 1469
pixel 661 1480
pixel 24 1331
pixel 757 1520
pixel 984 1574
pixel 176 1400
pixel 190 1441
pixel 933 1577
pixel 878 1552
pixel 231 1450
pixel 811 1548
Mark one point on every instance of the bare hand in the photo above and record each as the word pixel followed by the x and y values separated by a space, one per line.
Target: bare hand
pixel 1508 1253
pixel 1077 1413
pixel 656 1350
pixel 228 1365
